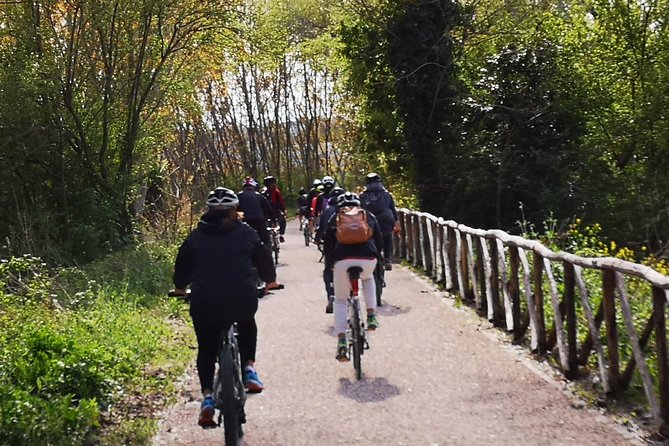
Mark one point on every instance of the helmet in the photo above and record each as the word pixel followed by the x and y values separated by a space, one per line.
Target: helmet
pixel 249 182
pixel 319 188
pixel 337 191
pixel 302 191
pixel 373 177
pixel 348 199
pixel 222 198
pixel 315 183
pixel 328 182
pixel 269 180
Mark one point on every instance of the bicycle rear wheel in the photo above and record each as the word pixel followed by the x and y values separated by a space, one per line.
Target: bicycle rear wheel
pixel 307 235
pixel 230 398
pixel 276 248
pixel 356 338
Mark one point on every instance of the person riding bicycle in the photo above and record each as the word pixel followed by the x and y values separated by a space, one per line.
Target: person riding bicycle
pixel 221 260
pixel 328 184
pixel 275 198
pixel 256 209
pixel 303 208
pixel 377 200
pixel 341 256
pixel 328 211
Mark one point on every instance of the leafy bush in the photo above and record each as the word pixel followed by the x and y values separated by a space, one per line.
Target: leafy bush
pixel 70 346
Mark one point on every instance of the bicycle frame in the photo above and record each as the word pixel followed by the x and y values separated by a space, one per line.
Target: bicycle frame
pixel 357 343
pixel 229 389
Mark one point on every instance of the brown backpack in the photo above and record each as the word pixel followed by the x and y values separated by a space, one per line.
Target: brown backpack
pixel 352 226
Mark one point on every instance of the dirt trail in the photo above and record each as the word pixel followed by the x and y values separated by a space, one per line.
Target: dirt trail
pixel 435 375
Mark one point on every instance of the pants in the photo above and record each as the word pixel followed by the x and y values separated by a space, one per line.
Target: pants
pixel 209 327
pixel 342 288
pixel 260 226
pixel 327 278
pixel 387 246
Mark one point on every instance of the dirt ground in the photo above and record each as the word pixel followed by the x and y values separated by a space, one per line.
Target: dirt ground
pixel 435 375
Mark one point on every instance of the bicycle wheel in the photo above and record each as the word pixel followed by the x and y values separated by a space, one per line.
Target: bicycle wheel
pixel 230 397
pixel 276 248
pixel 356 338
pixel 379 274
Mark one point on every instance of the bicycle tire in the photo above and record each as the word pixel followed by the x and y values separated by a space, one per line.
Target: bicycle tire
pixel 379 274
pixel 229 397
pixel 356 338
pixel 276 249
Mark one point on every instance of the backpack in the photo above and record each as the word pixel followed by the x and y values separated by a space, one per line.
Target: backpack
pixel 352 226
pixel 375 202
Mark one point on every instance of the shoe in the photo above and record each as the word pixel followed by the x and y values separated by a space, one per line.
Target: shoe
pixel 388 266
pixel 207 410
pixel 281 239
pixel 329 308
pixel 251 381
pixel 372 322
pixel 342 351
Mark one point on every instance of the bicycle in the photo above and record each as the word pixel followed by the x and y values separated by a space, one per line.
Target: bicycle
pixel 273 229
pixel 229 391
pixel 357 340
pixel 306 231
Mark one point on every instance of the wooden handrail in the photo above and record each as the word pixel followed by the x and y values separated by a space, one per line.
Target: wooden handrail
pixel 474 262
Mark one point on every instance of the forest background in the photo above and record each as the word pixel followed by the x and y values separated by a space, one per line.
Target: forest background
pixel 117 117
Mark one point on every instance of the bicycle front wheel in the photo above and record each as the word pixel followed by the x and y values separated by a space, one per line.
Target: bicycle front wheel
pixel 229 398
pixel 356 338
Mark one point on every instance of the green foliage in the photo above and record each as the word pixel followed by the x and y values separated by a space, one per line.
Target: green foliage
pixel 72 346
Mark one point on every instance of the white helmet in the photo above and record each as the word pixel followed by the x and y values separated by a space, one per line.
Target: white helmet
pixel 222 198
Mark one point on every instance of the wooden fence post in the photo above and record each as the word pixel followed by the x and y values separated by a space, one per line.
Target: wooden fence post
pixel 570 310
pixel 494 283
pixel 538 275
pixel 514 290
pixel 417 255
pixel 659 303
pixel 609 289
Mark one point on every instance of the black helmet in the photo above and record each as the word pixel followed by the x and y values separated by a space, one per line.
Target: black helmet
pixel 222 198
pixel 348 199
pixel 269 179
pixel 337 191
pixel 373 177
pixel 302 191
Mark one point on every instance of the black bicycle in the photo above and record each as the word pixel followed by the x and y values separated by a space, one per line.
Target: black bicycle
pixel 274 242
pixel 357 341
pixel 229 391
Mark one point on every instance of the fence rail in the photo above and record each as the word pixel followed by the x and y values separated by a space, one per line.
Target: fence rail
pixel 508 278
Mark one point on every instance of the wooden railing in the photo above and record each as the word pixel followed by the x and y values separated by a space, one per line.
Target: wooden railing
pixel 507 278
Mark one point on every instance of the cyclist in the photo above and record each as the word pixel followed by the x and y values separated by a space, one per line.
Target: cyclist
pixel 377 200
pixel 340 257
pixel 256 209
pixel 275 198
pixel 329 210
pixel 328 184
pixel 303 209
pixel 315 216
pixel 221 261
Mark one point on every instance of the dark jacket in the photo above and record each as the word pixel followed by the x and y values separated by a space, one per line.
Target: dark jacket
pixel 334 251
pixel 220 263
pixel 328 212
pixel 254 205
pixel 377 200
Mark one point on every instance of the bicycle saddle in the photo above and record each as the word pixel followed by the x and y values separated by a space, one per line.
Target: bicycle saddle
pixel 354 271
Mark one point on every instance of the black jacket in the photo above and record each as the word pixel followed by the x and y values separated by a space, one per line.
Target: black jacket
pixel 377 200
pixel 220 263
pixel 254 205
pixel 334 251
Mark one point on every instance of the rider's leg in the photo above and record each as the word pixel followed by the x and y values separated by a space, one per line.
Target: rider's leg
pixel 329 288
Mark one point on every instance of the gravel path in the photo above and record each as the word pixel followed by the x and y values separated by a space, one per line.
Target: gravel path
pixel 435 375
